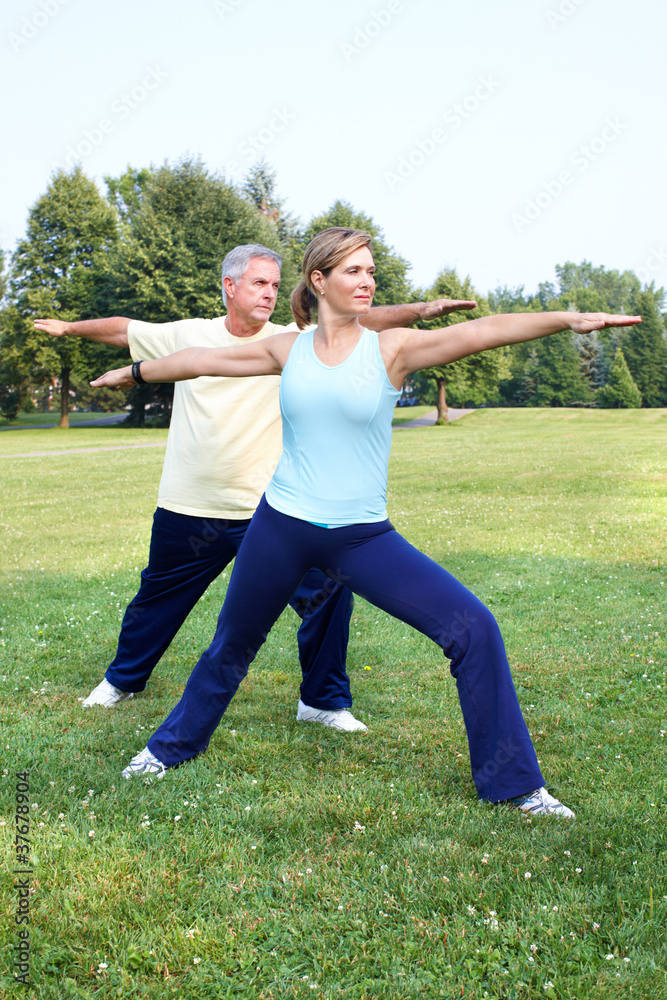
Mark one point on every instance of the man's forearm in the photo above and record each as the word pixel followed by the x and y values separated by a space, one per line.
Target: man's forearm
pixel 380 318
pixel 112 330
pixel 407 313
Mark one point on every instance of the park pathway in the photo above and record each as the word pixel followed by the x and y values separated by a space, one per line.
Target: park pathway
pixel 78 451
pixel 430 418
pixel 427 420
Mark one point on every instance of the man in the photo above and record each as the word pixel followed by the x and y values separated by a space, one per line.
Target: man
pixel 224 443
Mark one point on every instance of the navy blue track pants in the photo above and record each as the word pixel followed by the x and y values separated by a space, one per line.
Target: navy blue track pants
pixel 186 554
pixel 377 563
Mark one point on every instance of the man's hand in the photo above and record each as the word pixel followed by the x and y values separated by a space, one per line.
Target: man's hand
pixel 441 307
pixel 119 378
pixel 380 318
pixel 53 326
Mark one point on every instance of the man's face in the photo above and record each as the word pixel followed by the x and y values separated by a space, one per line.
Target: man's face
pixel 254 297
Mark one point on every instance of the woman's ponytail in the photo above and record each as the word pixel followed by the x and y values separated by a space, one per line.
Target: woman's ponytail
pixel 303 302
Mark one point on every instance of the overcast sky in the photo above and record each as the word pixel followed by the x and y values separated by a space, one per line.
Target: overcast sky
pixel 499 138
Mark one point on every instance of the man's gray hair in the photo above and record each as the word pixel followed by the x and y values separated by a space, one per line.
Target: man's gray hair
pixel 236 262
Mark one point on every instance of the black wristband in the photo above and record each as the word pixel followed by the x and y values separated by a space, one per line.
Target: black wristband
pixel 136 374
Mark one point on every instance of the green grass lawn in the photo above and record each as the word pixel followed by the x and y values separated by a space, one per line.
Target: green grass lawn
pixel 294 861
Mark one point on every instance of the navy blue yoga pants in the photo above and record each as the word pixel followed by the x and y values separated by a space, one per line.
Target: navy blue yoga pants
pixel 186 554
pixel 377 563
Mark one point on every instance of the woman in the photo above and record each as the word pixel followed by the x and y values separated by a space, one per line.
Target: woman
pixel 326 507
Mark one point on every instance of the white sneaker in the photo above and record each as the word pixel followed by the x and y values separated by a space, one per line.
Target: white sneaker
pixel 105 694
pixel 146 764
pixel 540 803
pixel 340 718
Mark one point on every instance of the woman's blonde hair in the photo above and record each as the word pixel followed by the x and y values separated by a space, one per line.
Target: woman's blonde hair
pixel 323 253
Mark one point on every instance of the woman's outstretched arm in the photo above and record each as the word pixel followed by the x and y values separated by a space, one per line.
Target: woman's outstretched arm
pixel 263 357
pixel 408 351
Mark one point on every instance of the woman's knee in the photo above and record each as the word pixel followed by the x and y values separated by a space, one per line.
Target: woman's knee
pixel 475 626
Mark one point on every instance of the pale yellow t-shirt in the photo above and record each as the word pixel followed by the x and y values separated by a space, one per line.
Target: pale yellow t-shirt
pixel 225 437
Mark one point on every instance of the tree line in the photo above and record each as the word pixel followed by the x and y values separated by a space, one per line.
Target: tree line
pixel 152 246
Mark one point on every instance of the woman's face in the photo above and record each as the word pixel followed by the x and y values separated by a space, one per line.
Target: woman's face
pixel 349 287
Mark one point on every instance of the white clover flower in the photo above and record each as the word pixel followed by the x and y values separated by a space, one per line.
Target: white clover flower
pixel 91 834
pixel 527 874
pixel 609 958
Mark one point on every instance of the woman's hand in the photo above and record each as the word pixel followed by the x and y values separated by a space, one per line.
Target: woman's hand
pixel 587 322
pixel 119 378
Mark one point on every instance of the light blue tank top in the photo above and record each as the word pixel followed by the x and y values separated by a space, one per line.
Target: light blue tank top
pixel 336 436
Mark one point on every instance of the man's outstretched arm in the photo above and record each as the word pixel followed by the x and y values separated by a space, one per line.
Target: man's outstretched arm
pixel 381 318
pixel 112 330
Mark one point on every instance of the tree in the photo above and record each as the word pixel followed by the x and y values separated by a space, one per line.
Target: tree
pixel 621 389
pixel 71 229
pixel 392 284
pixel 260 187
pixel 645 349
pixel 527 383
pixel 585 288
pixel 508 300
pixel 593 363
pixel 558 380
pixel 473 379
pixel 178 222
